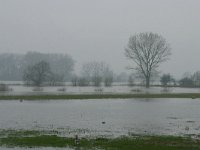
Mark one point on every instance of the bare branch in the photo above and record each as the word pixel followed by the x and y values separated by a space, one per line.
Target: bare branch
pixel 147 50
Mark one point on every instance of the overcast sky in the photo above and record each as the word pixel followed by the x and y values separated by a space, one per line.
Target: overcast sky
pixel 99 29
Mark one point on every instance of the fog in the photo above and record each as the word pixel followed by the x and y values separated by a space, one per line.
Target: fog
pixel 99 29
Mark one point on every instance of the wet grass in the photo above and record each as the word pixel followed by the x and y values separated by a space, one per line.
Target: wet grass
pixel 34 139
pixel 98 96
pixel 124 143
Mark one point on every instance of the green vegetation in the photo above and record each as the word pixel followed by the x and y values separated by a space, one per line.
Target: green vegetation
pixel 38 139
pixel 98 96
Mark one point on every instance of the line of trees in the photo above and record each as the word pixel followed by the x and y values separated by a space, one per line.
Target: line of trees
pixel 94 73
pixel 190 80
pixel 146 50
pixel 15 67
pixel 167 80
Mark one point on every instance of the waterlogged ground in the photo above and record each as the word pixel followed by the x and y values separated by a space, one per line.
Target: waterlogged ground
pixel 100 118
pixel 24 90
pixel 107 118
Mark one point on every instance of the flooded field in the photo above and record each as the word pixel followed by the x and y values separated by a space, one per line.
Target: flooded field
pixel 109 118
pixel 23 90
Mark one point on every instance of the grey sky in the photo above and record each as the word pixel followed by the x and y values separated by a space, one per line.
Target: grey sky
pixel 99 29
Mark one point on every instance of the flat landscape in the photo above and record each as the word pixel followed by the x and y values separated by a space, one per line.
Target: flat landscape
pixel 101 120
pixel 99 75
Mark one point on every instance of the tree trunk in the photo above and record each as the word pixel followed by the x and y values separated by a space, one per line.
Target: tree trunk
pixel 147 82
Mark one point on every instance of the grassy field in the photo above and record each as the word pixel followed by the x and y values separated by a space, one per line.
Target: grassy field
pixel 37 139
pixel 98 96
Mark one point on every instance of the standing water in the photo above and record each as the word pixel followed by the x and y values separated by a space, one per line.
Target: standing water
pixel 105 117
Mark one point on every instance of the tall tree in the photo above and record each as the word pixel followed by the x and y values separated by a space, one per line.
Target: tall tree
pixel 147 50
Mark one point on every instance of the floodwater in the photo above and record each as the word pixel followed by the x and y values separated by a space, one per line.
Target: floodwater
pixel 24 90
pixel 109 117
pixel 102 118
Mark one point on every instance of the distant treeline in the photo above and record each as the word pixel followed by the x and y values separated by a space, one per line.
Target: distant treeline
pixel 35 68
pixel 13 65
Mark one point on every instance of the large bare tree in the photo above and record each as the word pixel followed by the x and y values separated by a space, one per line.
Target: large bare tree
pixel 147 50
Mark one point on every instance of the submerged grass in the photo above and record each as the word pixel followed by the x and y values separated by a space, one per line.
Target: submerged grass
pixel 33 139
pixel 98 96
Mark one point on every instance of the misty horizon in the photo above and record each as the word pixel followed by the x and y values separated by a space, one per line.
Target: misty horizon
pixel 99 30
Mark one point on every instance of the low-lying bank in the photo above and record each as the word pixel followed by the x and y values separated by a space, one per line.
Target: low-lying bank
pixel 37 139
pixel 98 96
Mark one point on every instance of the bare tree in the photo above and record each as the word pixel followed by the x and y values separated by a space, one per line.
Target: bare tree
pixel 55 79
pixel 147 50
pixel 61 64
pixel 196 79
pixel 74 80
pixel 92 71
pixel 98 72
pixel 37 74
pixel 86 72
pixel 141 80
pixel 108 75
pixel 95 72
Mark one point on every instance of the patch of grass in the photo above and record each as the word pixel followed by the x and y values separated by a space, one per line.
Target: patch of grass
pixel 20 133
pixel 20 139
pixel 98 96
pixel 36 141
